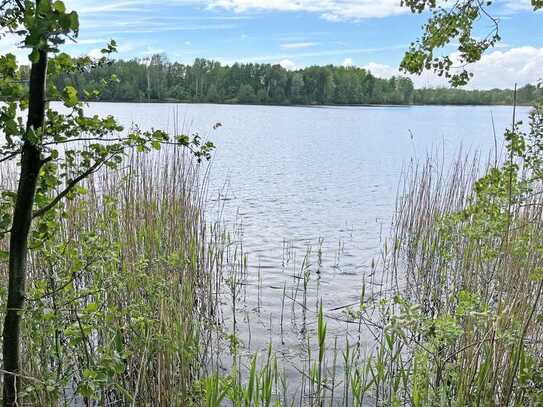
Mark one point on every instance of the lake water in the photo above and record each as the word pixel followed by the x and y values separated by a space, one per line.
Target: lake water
pixel 319 179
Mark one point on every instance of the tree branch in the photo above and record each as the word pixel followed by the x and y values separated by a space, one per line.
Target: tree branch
pixel 10 156
pixel 21 7
pixel 82 139
pixel 71 185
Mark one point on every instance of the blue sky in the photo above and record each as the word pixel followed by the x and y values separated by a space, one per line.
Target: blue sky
pixel 297 33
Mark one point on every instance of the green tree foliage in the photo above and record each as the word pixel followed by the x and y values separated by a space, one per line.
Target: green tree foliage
pixel 461 21
pixel 157 79
pixel 55 149
pixel 246 93
pixel 526 96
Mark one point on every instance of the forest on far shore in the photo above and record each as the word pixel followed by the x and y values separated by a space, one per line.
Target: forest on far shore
pixel 205 81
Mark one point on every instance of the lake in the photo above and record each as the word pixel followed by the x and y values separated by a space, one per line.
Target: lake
pixel 311 190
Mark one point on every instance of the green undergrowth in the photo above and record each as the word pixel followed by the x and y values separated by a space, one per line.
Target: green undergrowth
pixel 121 296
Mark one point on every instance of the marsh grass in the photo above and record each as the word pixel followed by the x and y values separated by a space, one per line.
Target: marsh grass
pixel 469 251
pixel 123 297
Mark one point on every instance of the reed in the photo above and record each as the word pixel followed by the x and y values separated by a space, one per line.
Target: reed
pixel 456 316
pixel 468 249
pixel 123 296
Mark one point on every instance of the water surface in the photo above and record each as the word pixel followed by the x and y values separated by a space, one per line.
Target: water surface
pixel 320 179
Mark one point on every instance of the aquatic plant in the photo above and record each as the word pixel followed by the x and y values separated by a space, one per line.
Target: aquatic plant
pixel 122 298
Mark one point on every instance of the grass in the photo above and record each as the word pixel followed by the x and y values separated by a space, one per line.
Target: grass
pixel 123 299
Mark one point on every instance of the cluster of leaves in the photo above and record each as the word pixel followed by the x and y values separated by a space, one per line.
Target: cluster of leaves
pixel 456 22
pixel 72 144
pixel 46 27
pixel 65 316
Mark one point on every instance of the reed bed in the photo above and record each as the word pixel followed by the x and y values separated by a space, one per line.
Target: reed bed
pixel 123 296
pixel 470 266
pixel 468 248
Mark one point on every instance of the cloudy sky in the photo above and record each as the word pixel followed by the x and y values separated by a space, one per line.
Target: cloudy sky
pixel 298 33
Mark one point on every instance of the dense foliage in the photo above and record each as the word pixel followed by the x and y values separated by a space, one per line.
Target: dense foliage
pixel 157 79
pixel 209 81
pixel 527 95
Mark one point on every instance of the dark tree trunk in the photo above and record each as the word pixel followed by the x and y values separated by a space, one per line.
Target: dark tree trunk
pixel 22 218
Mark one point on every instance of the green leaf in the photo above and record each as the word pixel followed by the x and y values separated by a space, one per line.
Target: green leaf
pixel 90 308
pixel 74 21
pixel 70 96
pixel 59 7
pixel 44 7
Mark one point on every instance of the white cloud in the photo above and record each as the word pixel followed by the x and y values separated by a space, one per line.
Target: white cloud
pixel 498 69
pixel 329 9
pixel 381 70
pixel 298 45
pixel 502 69
pixel 95 54
pixel 287 64
pixel 104 17
pixel 347 62
pixel 517 5
pixel 333 10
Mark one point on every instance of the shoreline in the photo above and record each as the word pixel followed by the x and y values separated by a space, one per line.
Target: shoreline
pixel 179 102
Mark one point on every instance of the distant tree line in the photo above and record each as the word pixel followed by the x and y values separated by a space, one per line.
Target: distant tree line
pixel 527 95
pixel 157 79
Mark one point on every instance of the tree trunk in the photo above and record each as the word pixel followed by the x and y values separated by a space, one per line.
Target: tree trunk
pixel 22 218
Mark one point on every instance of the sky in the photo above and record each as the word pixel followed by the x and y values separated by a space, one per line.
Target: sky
pixel 296 33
